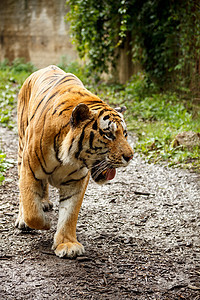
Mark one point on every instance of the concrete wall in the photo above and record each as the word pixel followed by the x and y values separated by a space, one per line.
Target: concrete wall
pixel 35 30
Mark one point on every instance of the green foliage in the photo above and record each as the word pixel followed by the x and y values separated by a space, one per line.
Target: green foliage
pixel 164 36
pixel 12 77
pixel 155 118
pixel 168 39
pixel 97 28
pixel 4 165
pixel 75 68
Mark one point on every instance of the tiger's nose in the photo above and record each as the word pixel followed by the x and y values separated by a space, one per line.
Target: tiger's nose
pixel 127 158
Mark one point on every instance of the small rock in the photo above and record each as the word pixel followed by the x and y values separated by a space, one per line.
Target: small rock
pixel 83 258
pixel 187 139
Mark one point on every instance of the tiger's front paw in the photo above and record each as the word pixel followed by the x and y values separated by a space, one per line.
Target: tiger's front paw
pixel 69 249
pixel 47 205
pixel 20 224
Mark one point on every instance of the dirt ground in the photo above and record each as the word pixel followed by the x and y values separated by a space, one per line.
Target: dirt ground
pixel 140 232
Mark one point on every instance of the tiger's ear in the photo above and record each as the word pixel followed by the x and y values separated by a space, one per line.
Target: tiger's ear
pixel 121 109
pixel 79 114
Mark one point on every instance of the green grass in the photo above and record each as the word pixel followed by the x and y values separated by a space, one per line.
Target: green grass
pixel 154 117
pixel 11 78
pixel 4 165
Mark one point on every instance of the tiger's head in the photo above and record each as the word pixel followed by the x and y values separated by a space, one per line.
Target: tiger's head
pixel 98 138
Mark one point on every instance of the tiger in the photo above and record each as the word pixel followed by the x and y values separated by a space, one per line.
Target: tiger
pixel 66 135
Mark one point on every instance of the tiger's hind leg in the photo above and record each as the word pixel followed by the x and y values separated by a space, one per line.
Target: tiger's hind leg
pixel 20 224
pixel 32 193
pixel 46 205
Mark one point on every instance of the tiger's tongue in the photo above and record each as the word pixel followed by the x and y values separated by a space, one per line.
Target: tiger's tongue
pixel 110 174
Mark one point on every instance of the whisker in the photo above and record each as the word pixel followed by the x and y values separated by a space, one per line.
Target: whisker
pixel 98 173
pixel 102 168
pixel 99 164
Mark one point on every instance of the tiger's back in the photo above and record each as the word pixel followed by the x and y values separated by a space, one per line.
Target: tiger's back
pixel 66 134
pixel 40 98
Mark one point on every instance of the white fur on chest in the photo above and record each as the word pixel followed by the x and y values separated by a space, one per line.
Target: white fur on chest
pixel 67 172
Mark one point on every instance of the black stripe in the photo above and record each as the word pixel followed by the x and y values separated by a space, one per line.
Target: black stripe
pixel 96 107
pixel 75 171
pixel 71 145
pixel 29 82
pixel 50 76
pixel 37 107
pixel 106 151
pixel 106 117
pixel 101 113
pixel 81 94
pixel 102 142
pixel 94 126
pixel 90 152
pixel 101 132
pixel 70 79
pixel 56 145
pixel 57 108
pixel 60 106
pixel 20 136
pixel 61 79
pixel 32 170
pixel 66 198
pixel 47 102
pixel 44 91
pixel 73 180
pixel 66 109
pixel 56 142
pixel 80 146
pixel 94 102
pixel 85 163
pixel 41 141
pixel 94 150
pixel 21 120
pixel 64 126
pixel 43 169
pixel 91 139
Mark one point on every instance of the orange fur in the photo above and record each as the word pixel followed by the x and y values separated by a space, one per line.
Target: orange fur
pixel 66 133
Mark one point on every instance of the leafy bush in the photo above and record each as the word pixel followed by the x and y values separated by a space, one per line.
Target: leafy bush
pixel 156 118
pixel 75 68
pixel 163 36
pixel 18 65
pixel 7 102
pixel 12 77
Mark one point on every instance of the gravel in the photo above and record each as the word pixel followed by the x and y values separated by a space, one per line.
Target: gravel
pixel 140 232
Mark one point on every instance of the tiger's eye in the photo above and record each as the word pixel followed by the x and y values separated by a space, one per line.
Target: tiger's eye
pixel 109 135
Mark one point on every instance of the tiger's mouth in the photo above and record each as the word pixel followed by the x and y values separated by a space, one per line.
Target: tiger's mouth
pixel 104 175
pixel 109 173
